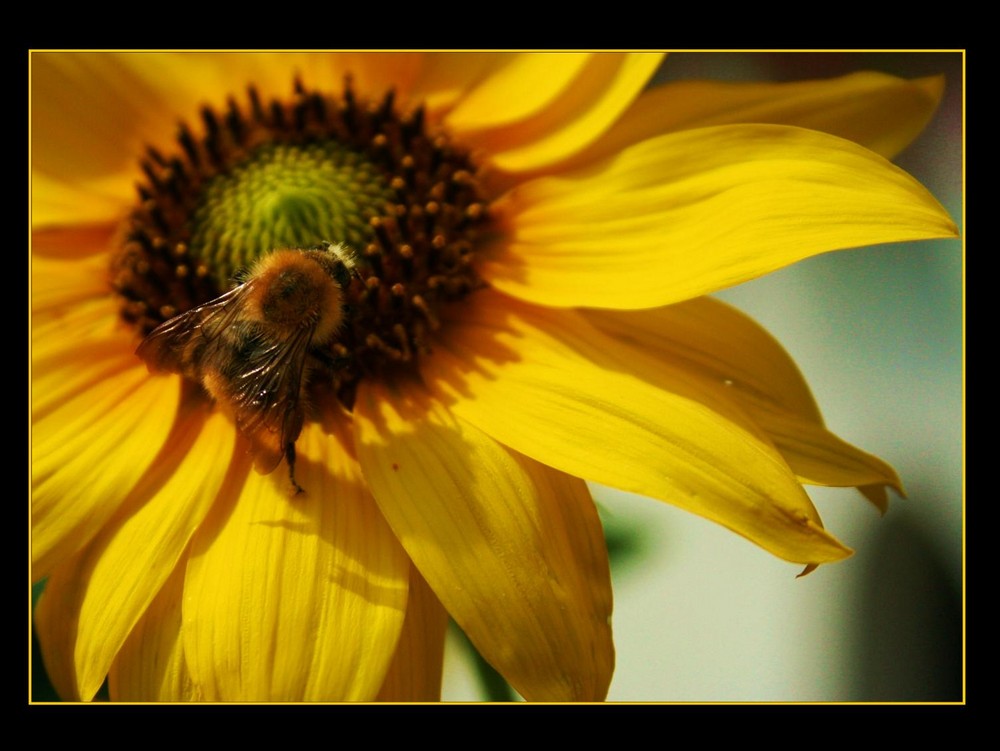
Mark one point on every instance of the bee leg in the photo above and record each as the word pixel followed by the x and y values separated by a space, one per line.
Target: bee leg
pixel 329 359
pixel 290 458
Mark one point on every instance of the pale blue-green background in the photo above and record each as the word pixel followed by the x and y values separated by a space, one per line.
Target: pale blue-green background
pixel 703 615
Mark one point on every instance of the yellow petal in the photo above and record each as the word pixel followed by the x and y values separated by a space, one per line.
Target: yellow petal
pixel 57 201
pixel 374 74
pixel 878 111
pixel 525 83
pixel 717 342
pixel 151 666
pixel 88 453
pixel 75 370
pixel 445 77
pixel 59 285
pixel 526 376
pixel 415 672
pixel 73 346
pixel 57 328
pixel 295 598
pixel 877 495
pixel 191 79
pixel 818 457
pixel 94 112
pixel 512 549
pixel 91 116
pixel 722 347
pixel 77 242
pixel 692 212
pixel 90 606
pixel 565 106
pixel 67 336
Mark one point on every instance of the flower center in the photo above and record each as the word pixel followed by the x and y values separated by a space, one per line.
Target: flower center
pixel 297 174
pixel 286 196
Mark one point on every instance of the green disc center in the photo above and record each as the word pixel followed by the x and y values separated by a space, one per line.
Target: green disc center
pixel 286 195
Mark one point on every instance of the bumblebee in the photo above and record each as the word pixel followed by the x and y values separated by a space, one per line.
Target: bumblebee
pixel 249 348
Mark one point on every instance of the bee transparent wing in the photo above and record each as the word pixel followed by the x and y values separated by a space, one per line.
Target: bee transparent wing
pixel 267 397
pixel 179 345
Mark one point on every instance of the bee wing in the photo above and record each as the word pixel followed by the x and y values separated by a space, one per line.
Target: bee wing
pixel 259 377
pixel 267 397
pixel 179 345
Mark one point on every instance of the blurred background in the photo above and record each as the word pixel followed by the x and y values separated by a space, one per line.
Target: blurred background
pixel 703 615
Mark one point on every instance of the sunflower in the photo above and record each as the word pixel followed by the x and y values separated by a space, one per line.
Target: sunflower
pixel 534 236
